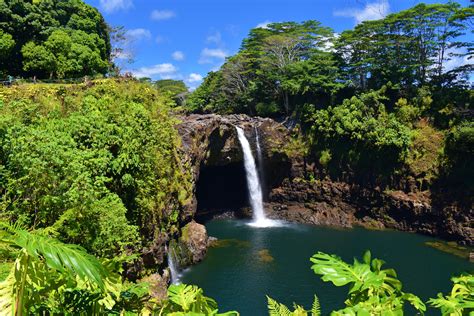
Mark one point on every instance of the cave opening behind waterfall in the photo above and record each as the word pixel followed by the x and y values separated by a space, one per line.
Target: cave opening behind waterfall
pixel 221 189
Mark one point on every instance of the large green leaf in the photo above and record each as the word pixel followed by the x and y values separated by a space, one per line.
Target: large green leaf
pixel 64 258
pixel 183 295
pixel 334 270
pixel 460 300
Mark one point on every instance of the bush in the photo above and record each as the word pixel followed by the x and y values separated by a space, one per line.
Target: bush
pixel 92 165
pixel 459 155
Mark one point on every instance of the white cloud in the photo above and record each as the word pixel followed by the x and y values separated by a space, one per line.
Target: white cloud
pixel 264 25
pixel 372 11
pixel 162 71
pixel 328 45
pixel 137 34
pixel 110 6
pixel 193 81
pixel 211 55
pixel 192 78
pixel 178 55
pixel 215 38
pixel 456 59
pixel 160 15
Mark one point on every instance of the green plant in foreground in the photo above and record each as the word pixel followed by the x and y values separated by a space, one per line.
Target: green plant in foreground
pixel 55 277
pixel 373 290
pixel 278 309
pixel 190 300
pixel 461 299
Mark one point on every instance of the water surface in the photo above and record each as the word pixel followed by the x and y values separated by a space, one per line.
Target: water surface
pixel 253 262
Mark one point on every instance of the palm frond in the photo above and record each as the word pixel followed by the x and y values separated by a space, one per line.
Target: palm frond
pixel 62 257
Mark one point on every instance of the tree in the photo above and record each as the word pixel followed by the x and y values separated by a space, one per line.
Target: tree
pixel 410 47
pixel 279 45
pixel 173 88
pixel 6 47
pixel 37 21
pixel 38 59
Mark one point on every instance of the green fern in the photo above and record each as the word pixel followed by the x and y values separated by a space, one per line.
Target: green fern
pixel 316 308
pixel 277 309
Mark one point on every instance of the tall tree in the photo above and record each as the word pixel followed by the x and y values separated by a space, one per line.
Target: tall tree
pixel 36 21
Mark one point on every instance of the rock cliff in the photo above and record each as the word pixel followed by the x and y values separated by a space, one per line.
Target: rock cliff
pixel 211 146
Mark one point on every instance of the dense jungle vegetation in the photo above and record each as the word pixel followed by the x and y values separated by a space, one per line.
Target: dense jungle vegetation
pixel 91 174
pixel 56 39
pixel 375 104
pixel 96 166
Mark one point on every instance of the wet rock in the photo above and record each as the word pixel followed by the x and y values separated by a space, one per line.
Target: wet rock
pixel 211 141
pixel 195 240
pixel 158 289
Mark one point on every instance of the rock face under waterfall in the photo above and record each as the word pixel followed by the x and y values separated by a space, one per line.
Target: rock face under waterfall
pixel 212 147
pixel 213 151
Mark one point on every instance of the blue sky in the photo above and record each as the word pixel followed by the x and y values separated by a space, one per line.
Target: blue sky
pixel 185 39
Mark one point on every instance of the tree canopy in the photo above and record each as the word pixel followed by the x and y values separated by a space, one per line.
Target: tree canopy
pixel 282 66
pixel 50 38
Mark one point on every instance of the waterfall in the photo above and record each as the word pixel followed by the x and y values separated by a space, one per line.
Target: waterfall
pixel 174 274
pixel 253 184
pixel 260 160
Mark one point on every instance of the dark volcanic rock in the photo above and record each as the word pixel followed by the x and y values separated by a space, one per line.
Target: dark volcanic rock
pixel 211 141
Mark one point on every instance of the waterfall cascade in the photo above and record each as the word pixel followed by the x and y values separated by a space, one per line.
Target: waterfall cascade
pixel 260 160
pixel 253 183
pixel 174 274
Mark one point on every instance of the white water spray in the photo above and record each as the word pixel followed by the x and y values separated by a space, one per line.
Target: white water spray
pixel 174 274
pixel 260 160
pixel 253 183
pixel 259 149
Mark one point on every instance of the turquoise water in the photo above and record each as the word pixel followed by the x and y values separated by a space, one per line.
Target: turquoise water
pixel 253 262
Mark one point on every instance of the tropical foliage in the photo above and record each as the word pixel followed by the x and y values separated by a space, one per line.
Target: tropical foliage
pixel 50 38
pixel 97 166
pixel 461 299
pixel 49 276
pixel 377 291
pixel 372 290
pixel 189 300
pixel 278 309
pixel 364 99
